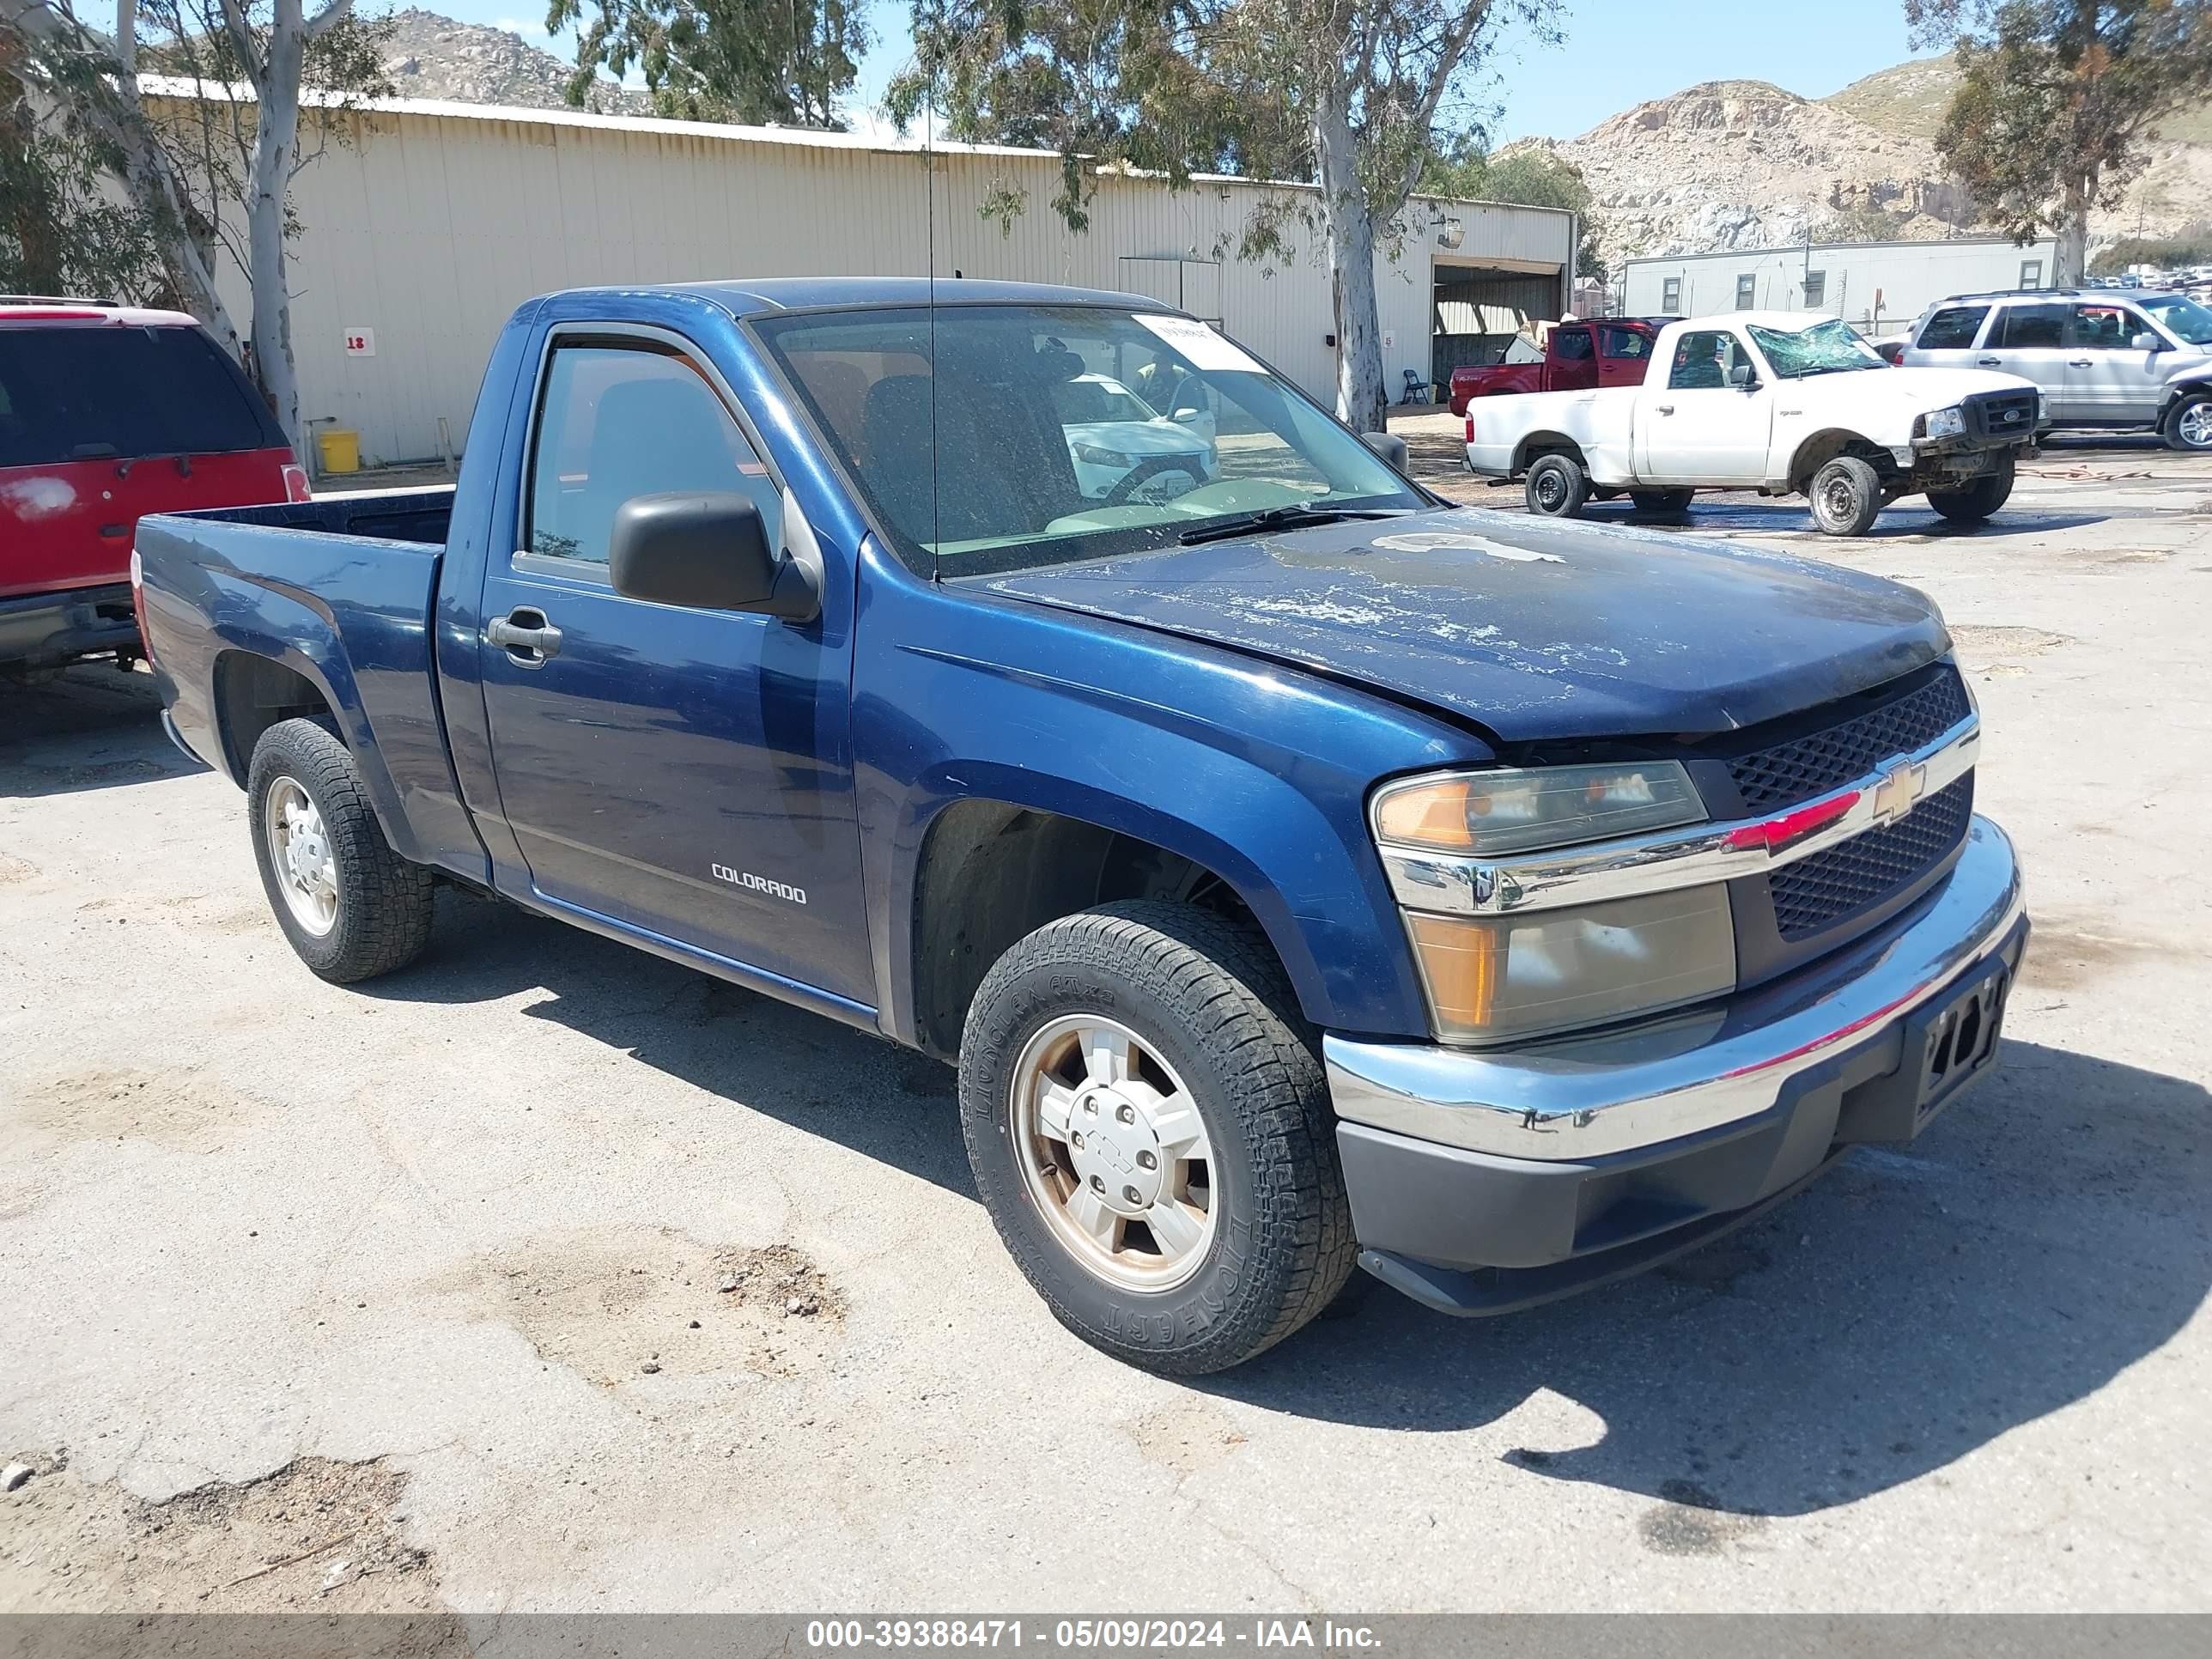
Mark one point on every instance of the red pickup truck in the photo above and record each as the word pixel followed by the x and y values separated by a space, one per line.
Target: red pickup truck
pixel 1611 351
pixel 108 413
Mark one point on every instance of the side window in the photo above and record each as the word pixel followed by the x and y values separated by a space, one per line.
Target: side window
pixel 1572 345
pixel 1816 289
pixel 1704 358
pixel 2031 273
pixel 2106 328
pixel 1953 329
pixel 1747 291
pixel 2026 328
pixel 618 421
pixel 1622 342
pixel 1670 296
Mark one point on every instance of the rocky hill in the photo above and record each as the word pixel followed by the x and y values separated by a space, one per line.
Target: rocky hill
pixel 435 57
pixel 1733 164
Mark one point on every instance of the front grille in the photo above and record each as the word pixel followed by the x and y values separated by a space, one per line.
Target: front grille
pixel 1786 773
pixel 1816 892
pixel 2002 414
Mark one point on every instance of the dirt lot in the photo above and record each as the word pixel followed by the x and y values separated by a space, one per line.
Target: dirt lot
pixel 549 1276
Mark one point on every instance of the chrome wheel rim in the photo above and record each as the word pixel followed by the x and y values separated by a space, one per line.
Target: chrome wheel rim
pixel 2197 426
pixel 301 854
pixel 1114 1153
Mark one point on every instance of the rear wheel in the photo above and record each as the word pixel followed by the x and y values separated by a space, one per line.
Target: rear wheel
pixel 1149 1129
pixel 1660 501
pixel 1557 486
pixel 351 907
pixel 1984 496
pixel 1846 496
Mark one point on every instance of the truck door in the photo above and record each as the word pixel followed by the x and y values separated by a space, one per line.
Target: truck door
pixel 684 772
pixel 1624 355
pixel 1573 364
pixel 1711 421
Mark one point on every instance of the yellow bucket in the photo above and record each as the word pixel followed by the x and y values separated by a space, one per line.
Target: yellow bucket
pixel 341 449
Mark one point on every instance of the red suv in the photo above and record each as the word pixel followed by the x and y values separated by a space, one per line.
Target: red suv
pixel 108 413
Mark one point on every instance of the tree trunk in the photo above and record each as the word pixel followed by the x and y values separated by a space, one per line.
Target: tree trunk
pixel 1362 403
pixel 2069 264
pixel 275 141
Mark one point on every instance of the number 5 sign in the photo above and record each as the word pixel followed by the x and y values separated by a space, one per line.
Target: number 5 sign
pixel 361 343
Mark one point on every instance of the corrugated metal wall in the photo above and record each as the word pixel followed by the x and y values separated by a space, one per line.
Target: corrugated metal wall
pixel 434 223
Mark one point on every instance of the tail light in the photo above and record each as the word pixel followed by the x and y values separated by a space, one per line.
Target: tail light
pixel 295 483
pixel 1470 428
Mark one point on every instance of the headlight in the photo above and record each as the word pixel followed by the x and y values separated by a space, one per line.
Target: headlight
pixel 1551 971
pixel 1946 422
pixel 1097 457
pixel 1511 810
pixel 1544 970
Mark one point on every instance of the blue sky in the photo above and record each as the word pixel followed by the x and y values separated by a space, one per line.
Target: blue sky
pixel 1617 52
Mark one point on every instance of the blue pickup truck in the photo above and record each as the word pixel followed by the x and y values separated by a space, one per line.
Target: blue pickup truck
pixel 1303 874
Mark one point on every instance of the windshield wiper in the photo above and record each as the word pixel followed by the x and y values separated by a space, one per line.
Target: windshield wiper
pixel 1284 518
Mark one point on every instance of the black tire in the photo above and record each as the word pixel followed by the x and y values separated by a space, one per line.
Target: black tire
pixel 1208 994
pixel 2201 423
pixel 1557 487
pixel 1846 496
pixel 384 902
pixel 1660 501
pixel 1979 499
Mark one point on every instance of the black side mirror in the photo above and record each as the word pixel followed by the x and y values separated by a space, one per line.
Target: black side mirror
pixel 1390 447
pixel 707 551
pixel 1744 377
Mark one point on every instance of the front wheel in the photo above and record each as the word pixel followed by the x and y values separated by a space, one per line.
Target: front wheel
pixel 2188 427
pixel 351 907
pixel 1979 499
pixel 1557 487
pixel 1149 1129
pixel 1846 496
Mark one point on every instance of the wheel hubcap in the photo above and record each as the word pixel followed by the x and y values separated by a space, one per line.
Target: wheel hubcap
pixel 1550 491
pixel 2197 426
pixel 1114 1153
pixel 299 852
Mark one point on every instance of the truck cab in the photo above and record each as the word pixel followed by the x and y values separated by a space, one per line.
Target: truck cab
pixel 1304 875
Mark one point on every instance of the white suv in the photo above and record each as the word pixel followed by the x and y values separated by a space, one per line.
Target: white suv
pixel 2101 358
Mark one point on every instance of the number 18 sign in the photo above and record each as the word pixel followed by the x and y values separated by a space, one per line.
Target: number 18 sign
pixel 361 343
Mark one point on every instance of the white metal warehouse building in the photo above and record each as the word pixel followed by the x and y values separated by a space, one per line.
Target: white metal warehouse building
pixel 1878 288
pixel 423 232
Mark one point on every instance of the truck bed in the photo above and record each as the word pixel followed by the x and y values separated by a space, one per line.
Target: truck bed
pixel 394 515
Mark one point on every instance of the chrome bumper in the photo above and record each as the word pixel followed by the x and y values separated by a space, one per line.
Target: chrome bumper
pixel 1591 1096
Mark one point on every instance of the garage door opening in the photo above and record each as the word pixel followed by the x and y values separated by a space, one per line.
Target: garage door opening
pixel 1486 315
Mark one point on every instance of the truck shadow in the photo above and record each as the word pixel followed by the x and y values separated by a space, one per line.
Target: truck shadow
pixel 2043 1236
pixel 1905 521
pixel 88 727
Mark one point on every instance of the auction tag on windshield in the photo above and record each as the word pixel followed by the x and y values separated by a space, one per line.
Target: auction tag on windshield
pixel 1203 348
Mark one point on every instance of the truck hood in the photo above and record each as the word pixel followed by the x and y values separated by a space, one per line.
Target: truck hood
pixel 1922 389
pixel 1532 630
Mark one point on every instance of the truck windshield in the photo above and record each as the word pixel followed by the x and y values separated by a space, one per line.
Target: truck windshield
pixel 1826 348
pixel 994 437
pixel 2184 319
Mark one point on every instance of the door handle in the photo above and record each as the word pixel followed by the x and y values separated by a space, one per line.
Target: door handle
pixel 2079 362
pixel 1990 362
pixel 526 635
pixel 1663 409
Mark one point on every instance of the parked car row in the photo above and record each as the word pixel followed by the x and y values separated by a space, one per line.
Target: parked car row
pixel 108 413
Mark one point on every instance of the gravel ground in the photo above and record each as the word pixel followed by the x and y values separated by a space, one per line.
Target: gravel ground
pixel 550 1276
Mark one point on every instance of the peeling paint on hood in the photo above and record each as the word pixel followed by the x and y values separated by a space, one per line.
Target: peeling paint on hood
pixel 1534 629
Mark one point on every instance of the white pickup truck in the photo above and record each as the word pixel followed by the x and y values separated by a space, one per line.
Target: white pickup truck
pixel 1784 402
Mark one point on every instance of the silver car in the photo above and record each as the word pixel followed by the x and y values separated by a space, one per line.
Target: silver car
pixel 2102 358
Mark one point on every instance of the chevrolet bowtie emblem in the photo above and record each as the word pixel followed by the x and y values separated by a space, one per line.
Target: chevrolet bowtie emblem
pixel 1898 792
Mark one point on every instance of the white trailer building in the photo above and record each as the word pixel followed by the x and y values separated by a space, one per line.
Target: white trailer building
pixel 423 231
pixel 1877 287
